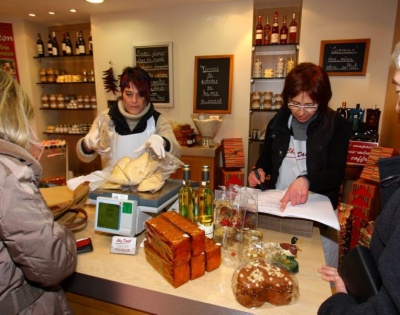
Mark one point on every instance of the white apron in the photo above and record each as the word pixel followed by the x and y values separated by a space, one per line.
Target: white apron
pixel 126 145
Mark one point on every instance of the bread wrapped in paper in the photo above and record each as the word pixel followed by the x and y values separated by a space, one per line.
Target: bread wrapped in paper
pixel 117 173
pixel 136 168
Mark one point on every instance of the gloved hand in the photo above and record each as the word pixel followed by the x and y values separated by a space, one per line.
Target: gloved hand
pixel 92 141
pixel 156 143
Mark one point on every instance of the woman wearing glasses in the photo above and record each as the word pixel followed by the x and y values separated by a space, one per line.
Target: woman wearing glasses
pixel 306 143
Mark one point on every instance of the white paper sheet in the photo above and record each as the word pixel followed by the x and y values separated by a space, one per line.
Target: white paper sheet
pixel 317 208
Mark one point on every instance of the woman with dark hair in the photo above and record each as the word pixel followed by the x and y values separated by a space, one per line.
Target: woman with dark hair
pixel 128 127
pixel 306 143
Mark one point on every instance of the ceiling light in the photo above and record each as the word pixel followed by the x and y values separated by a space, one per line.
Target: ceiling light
pixel 52 13
pixel 72 10
pixel 95 1
pixel 32 14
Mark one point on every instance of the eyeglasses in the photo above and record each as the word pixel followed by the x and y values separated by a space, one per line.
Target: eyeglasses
pixel 308 108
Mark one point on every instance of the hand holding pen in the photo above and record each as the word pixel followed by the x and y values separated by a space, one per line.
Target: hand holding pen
pixel 261 185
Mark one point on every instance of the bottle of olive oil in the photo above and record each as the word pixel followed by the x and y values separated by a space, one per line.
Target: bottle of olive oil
pixel 186 195
pixel 206 203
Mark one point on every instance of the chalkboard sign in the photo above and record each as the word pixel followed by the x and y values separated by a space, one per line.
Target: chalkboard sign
pixel 213 84
pixel 156 59
pixel 344 57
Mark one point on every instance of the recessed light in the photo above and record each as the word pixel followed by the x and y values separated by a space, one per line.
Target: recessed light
pixel 32 14
pixel 72 10
pixel 52 13
pixel 95 1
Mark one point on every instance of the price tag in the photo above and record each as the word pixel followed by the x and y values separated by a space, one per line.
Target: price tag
pixel 123 245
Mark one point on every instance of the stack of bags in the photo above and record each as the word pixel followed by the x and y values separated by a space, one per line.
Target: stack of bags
pixel 178 249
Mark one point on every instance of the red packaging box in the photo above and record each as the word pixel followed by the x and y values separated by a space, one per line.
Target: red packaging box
pixel 232 153
pixel 231 176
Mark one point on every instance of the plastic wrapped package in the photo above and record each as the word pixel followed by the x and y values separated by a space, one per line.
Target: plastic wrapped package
pixel 259 281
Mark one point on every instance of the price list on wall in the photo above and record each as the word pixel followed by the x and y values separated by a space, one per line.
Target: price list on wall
pixel 156 61
pixel 213 84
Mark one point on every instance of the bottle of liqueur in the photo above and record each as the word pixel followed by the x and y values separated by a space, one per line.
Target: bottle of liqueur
pixel 293 30
pixel 283 34
pixel 40 46
pixel 206 203
pixel 275 30
pixel 77 44
pixel 68 45
pixel 343 111
pixel 90 44
pixel 55 45
pixel 50 46
pixel 82 46
pixel 267 33
pixel 63 45
pixel 259 32
pixel 372 121
pixel 356 120
pixel 186 195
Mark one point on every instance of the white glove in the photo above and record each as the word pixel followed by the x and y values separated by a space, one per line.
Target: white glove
pixel 156 143
pixel 92 142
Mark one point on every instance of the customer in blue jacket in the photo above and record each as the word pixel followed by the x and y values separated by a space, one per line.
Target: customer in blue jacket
pixel 384 246
pixel 305 146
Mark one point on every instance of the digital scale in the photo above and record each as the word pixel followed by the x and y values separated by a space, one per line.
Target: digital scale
pixel 124 213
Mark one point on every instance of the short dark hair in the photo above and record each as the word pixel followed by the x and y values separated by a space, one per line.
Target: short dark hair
pixel 139 77
pixel 309 78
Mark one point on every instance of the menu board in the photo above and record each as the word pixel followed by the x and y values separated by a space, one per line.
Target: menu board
pixel 345 57
pixel 157 61
pixel 213 84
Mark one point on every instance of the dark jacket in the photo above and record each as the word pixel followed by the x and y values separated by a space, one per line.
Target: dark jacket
pixel 33 248
pixel 385 248
pixel 327 145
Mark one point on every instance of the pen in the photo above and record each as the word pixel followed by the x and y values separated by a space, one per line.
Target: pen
pixel 262 187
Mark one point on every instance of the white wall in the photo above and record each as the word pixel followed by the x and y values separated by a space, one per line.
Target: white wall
pixel 343 19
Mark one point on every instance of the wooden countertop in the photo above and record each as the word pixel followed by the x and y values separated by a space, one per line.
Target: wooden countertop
pixel 131 282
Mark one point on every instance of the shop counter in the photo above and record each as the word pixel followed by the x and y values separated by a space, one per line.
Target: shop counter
pixel 130 282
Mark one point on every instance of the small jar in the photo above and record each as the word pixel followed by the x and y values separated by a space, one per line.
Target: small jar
pixel 267 96
pixel 257 69
pixel 255 96
pixel 279 72
pixel 255 104
pixel 267 104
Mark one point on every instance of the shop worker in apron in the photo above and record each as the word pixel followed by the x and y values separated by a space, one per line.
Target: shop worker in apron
pixel 305 146
pixel 36 253
pixel 130 126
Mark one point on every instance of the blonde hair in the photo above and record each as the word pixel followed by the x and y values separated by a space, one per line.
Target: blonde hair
pixel 396 56
pixel 16 111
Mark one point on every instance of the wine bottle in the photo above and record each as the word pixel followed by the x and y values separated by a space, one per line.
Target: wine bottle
pixel 63 45
pixel 50 46
pixel 343 111
pixel 356 119
pixel 77 44
pixel 82 46
pixel 283 34
pixel 40 46
pixel 55 45
pixel 372 121
pixel 186 195
pixel 293 30
pixel 206 203
pixel 90 44
pixel 68 45
pixel 267 33
pixel 275 30
pixel 259 32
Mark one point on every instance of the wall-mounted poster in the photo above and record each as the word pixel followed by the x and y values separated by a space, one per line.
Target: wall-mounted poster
pixel 8 59
pixel 156 59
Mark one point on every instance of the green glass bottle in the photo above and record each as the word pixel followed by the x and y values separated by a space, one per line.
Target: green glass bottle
pixel 186 196
pixel 206 203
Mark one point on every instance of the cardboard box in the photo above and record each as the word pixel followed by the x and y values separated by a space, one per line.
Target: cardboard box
pixel 370 171
pixel 366 195
pixel 232 153
pixel 294 226
pixel 228 176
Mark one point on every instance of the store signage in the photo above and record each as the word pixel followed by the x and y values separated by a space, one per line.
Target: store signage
pixel 359 151
pixel 8 59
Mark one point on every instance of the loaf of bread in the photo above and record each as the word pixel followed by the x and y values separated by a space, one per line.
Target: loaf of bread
pixel 169 241
pixel 213 254
pixel 257 282
pixel 197 235
pixel 175 275
pixel 197 266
